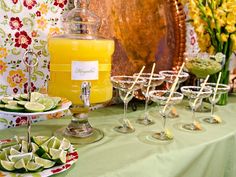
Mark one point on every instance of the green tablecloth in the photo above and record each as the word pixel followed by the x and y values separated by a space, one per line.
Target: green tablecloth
pixel 211 153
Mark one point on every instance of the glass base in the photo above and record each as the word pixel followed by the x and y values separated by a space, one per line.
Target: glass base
pixel 191 127
pixel 211 120
pixel 124 129
pixel 95 136
pixel 143 121
pixel 162 136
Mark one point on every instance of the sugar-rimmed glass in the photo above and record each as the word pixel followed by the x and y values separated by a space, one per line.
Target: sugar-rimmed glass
pixel 192 92
pixel 124 84
pixel 222 88
pixel 157 80
pixel 161 97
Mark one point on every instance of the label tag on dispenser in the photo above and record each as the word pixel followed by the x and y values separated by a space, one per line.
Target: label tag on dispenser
pixel 84 70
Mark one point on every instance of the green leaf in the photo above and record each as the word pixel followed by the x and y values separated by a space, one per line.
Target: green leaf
pixel 14 51
pixel 16 9
pixel 54 9
pixel 43 42
pixel 3 120
pixel 35 175
pixel 45 53
pixel 38 47
pixel 34 78
pixel 4 6
pixel 2 33
pixel 40 73
pixel 28 21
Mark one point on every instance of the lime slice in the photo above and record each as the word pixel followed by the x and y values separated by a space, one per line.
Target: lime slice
pixel 44 162
pixel 34 107
pixel 3 155
pixel 26 157
pixel 6 165
pixel 65 144
pixel 34 147
pixel 14 151
pixel 24 146
pixel 35 96
pixel 20 166
pixel 47 102
pixel 24 96
pixel 13 108
pixel 54 143
pixel 5 100
pixel 34 167
pixel 17 98
pixel 13 103
pixel 5 145
pixel 46 156
pixel 2 106
pixel 22 103
pixel 39 139
pixel 58 155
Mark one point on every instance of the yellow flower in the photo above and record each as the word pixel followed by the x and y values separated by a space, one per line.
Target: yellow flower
pixel 3 52
pixel 43 8
pixel 224 37
pixel 230 28
pixel 208 12
pixel 3 67
pixel 211 50
pixel 233 39
pixel 230 19
pixel 2 175
pixel 16 78
pixel 55 115
pixel 54 31
pixel 42 23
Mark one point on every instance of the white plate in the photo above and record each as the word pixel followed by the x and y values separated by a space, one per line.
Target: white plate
pixel 71 158
pixel 64 105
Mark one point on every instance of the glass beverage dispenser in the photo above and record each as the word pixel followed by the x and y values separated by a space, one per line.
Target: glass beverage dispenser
pixel 80 69
pixel 80 54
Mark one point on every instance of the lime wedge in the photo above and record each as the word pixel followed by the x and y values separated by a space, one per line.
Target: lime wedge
pixel 3 155
pixel 22 103
pixel 20 166
pixel 47 102
pixel 26 157
pixel 44 162
pixel 34 167
pixel 6 165
pixel 24 146
pixel 17 98
pixel 46 156
pixel 39 139
pixel 14 151
pixel 54 143
pixel 13 103
pixel 58 155
pixel 34 147
pixel 13 108
pixel 2 106
pixel 24 96
pixel 5 100
pixel 65 144
pixel 34 107
pixel 5 145
pixel 35 96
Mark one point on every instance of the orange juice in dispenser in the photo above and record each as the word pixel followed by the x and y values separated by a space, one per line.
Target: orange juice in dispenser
pixel 80 54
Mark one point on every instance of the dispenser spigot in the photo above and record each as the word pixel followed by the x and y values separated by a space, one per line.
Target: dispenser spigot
pixel 85 93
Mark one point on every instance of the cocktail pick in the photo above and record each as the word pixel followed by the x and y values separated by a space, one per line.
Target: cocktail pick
pixel 200 92
pixel 173 87
pixel 217 85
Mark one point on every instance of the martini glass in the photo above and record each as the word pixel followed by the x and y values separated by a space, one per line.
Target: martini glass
pixel 170 77
pixel 156 80
pixel 193 93
pixel 161 97
pixel 126 92
pixel 222 88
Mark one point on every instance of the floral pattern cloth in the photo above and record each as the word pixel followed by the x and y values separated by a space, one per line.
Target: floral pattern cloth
pixel 26 24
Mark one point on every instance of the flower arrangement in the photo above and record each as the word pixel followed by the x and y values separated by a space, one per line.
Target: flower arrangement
pixel 214 22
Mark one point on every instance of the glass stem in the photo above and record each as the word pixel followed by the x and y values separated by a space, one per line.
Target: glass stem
pixel 212 109
pixel 145 109
pixel 125 116
pixel 193 115
pixel 29 121
pixel 164 122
